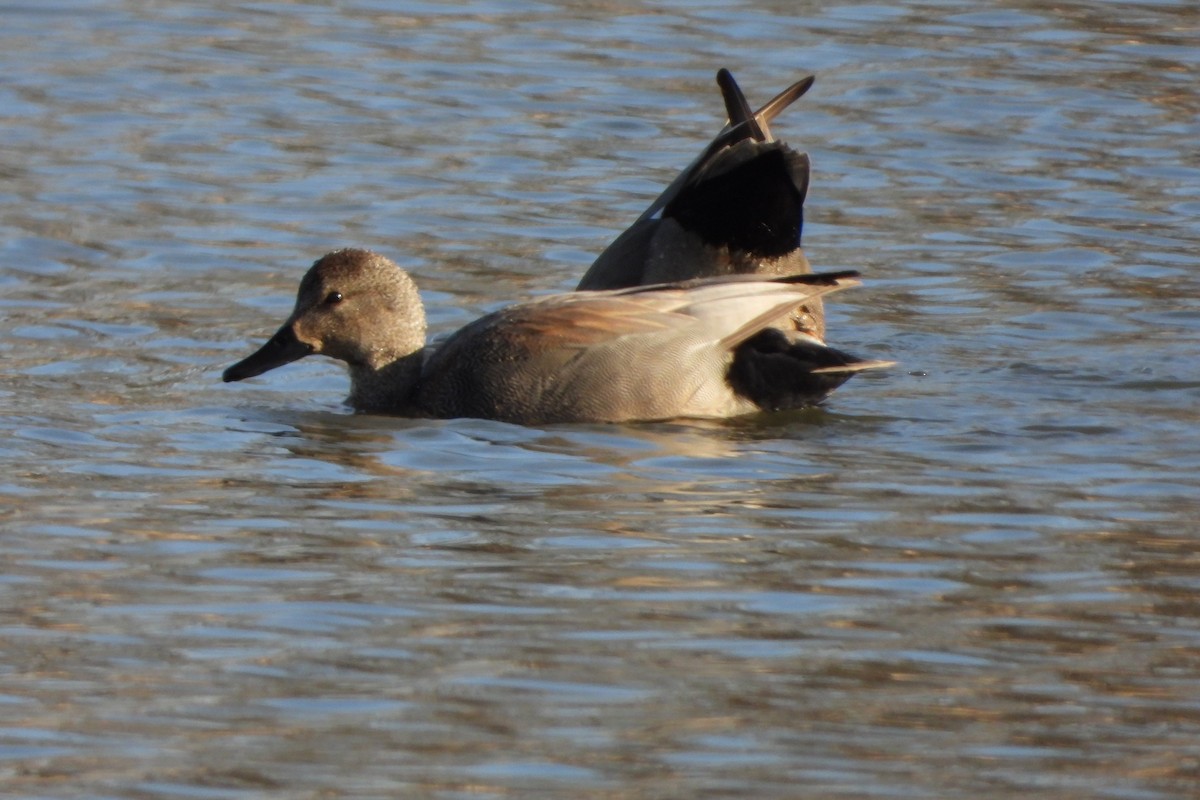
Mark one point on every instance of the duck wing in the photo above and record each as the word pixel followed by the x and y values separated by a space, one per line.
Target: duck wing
pixel 645 353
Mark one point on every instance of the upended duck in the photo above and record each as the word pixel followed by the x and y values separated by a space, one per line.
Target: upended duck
pixel 737 209
pixel 640 354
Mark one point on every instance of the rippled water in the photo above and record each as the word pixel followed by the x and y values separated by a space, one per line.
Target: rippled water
pixel 974 575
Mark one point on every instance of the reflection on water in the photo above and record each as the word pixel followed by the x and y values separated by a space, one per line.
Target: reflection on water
pixel 974 574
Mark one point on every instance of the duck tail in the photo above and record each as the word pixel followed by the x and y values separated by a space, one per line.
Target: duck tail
pixel 756 124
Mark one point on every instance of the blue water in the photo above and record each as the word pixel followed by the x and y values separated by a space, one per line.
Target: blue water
pixel 972 575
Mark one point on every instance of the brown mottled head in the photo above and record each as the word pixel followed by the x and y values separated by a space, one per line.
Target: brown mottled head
pixel 353 305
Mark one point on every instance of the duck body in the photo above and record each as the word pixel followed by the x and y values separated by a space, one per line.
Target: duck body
pixel 695 349
pixel 737 209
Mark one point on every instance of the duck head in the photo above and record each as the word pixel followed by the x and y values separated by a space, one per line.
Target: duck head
pixel 355 306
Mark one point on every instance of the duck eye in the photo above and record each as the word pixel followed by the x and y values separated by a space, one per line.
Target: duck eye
pixel 333 298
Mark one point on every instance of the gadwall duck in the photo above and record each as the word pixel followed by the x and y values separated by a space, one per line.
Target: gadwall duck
pixel 737 209
pixel 647 353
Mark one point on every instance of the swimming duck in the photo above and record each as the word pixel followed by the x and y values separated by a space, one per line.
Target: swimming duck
pixel 645 353
pixel 737 209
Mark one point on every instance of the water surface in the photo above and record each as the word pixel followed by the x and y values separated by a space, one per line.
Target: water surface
pixel 973 575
